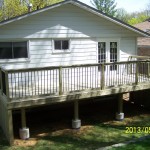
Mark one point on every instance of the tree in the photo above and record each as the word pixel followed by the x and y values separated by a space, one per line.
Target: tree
pixel 106 6
pixel 147 10
pixel 13 8
pixel 137 18
pixel 122 14
pixel 37 4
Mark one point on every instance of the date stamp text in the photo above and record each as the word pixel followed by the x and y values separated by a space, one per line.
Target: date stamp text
pixel 140 130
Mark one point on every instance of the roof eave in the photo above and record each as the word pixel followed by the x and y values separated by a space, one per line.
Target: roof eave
pixel 95 11
pixel 83 6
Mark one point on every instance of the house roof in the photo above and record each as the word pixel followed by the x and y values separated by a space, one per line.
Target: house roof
pixel 83 6
pixel 145 26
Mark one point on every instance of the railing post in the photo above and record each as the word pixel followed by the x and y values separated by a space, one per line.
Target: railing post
pixel 102 76
pixel 148 69
pixel 7 84
pixel 137 73
pixel 129 68
pixel 60 80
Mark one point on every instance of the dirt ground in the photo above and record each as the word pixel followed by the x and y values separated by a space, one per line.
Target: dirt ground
pixel 54 119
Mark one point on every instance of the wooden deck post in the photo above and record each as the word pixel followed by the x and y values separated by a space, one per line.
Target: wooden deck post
pixel 120 114
pixel 76 123
pixel 76 110
pixel 102 77
pixel 60 81
pixel 120 103
pixel 24 131
pixel 10 127
pixel 23 118
pixel 7 85
pixel 137 73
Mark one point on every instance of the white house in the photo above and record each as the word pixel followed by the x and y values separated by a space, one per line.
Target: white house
pixel 66 33
pixel 38 49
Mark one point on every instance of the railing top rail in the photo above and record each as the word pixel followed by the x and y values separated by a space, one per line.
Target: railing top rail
pixel 69 66
pixel 142 57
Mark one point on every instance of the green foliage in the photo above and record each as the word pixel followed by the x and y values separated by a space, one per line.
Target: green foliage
pixel 138 19
pixel 42 3
pixel 13 8
pixel 1 16
pixel 132 18
pixel 106 6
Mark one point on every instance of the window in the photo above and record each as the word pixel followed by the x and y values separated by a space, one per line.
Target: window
pixel 13 50
pixel 61 45
pixel 101 52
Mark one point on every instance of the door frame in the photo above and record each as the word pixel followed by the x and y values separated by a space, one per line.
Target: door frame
pixel 107 41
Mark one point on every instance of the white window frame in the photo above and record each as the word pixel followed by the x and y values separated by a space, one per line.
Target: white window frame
pixel 61 51
pixel 15 60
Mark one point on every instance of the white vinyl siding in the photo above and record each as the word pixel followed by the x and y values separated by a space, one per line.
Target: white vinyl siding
pixel 67 21
pixel 80 52
pixel 83 51
pixel 127 48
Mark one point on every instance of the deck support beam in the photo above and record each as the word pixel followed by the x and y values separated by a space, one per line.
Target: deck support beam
pixel 24 131
pixel 120 114
pixel 76 122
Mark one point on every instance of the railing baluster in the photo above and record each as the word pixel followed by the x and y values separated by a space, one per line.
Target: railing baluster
pixel 11 80
pixel 25 83
pixel 18 85
pixel 21 84
pixel 35 82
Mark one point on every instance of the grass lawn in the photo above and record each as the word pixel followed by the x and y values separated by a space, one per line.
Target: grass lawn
pixel 99 129
pixel 140 145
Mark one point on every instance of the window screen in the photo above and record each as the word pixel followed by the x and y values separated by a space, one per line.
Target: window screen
pixel 5 50
pixel 12 50
pixel 61 44
pixel 20 50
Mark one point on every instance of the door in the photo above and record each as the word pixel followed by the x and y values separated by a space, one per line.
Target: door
pixel 101 52
pixel 108 52
pixel 113 55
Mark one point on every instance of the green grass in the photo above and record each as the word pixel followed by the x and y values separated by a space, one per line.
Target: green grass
pixel 140 145
pixel 98 130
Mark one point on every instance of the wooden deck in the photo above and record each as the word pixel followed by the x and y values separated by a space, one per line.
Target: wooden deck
pixel 30 87
pixel 36 86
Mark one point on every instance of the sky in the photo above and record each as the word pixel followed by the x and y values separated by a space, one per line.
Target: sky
pixel 128 5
